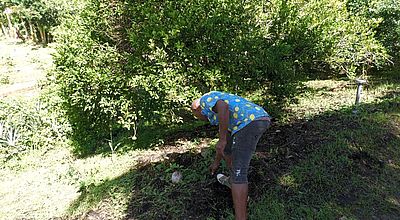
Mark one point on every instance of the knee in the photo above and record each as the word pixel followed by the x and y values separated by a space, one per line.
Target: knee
pixel 239 176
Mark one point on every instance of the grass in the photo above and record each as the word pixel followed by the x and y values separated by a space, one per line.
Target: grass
pixel 348 166
pixel 50 181
pixel 323 162
pixel 22 66
pixel 354 174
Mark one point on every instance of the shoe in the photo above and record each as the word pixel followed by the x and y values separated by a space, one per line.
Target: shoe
pixel 224 180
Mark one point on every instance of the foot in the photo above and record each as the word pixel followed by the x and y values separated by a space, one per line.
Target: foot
pixel 224 180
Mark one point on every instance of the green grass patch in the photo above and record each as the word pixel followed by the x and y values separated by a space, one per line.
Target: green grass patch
pixel 323 162
pixel 354 174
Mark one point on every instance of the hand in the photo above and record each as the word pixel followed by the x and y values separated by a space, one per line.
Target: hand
pixel 214 167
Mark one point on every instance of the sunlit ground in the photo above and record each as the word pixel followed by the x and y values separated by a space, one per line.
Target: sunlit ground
pixel 22 66
pixel 53 182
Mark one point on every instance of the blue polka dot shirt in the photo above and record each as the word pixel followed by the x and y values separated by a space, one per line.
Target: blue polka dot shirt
pixel 241 111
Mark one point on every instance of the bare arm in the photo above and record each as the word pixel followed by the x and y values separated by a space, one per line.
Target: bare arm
pixel 222 109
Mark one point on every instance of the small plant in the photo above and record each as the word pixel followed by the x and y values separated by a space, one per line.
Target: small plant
pixel 26 125
pixel 9 141
pixel 8 135
pixel 113 147
pixel 13 136
pixel 6 65
pixel 9 61
pixel 173 167
pixel 4 79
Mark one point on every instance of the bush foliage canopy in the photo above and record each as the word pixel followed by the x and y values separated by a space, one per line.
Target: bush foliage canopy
pixel 124 64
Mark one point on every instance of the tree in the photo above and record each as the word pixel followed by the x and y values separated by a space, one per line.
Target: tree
pixel 33 19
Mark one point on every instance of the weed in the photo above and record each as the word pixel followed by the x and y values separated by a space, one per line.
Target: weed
pixel 4 79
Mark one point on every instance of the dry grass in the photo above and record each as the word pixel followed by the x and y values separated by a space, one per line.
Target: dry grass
pixel 42 185
pixel 24 66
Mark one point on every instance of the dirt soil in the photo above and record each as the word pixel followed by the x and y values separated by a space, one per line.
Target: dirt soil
pixel 281 148
pixel 209 198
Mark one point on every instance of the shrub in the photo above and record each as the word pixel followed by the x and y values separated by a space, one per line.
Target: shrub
pixel 323 35
pixel 387 12
pixel 124 64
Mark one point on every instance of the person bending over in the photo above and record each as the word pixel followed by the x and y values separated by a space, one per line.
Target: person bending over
pixel 241 124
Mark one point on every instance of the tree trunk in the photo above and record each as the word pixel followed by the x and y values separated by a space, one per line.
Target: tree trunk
pixel 20 30
pixel 44 41
pixel 10 27
pixel 26 31
pixel 47 37
pixel 3 29
pixel 33 34
pixel 42 34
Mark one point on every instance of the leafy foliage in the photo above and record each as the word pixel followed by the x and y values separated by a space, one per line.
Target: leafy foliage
pixel 387 13
pixel 33 19
pixel 27 125
pixel 123 64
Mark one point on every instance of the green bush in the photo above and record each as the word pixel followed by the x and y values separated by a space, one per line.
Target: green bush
pixel 323 35
pixel 98 97
pixel 124 64
pixel 33 19
pixel 386 13
pixel 165 64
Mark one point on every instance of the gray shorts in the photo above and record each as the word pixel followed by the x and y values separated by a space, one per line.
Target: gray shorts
pixel 241 147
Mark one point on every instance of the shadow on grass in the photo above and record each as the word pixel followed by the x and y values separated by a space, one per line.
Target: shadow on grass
pixel 154 136
pixel 336 164
pixel 151 194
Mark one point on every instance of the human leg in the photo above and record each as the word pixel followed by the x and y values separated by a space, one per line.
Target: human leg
pixel 243 146
pixel 239 196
